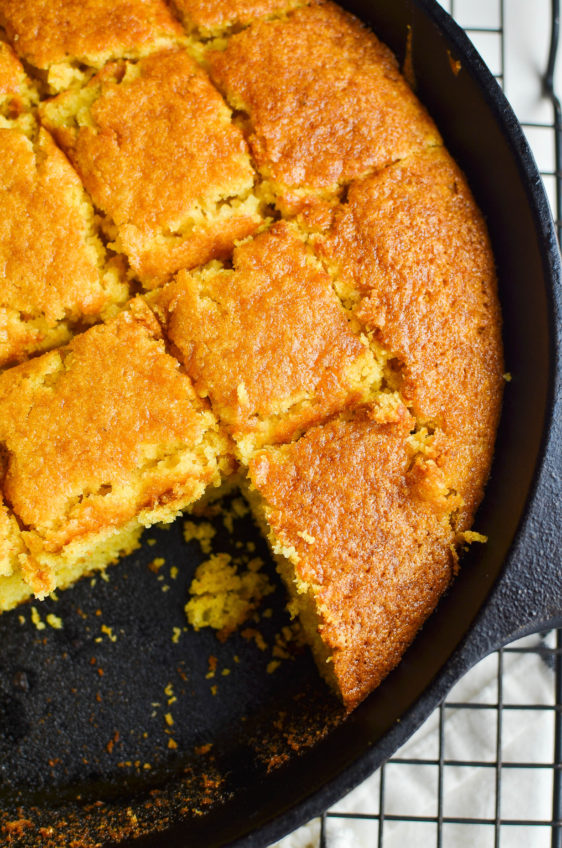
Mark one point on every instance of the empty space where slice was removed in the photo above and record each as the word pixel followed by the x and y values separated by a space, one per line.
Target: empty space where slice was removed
pixel 99 439
pixel 156 148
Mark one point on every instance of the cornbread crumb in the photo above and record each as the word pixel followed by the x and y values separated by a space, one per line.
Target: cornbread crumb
pixel 470 536
pixel 156 564
pixel 54 621
pixel 306 536
pixel 36 619
pixel 108 632
pixel 203 532
pixel 222 597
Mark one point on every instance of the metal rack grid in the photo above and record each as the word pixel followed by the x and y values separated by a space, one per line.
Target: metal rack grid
pixel 509 783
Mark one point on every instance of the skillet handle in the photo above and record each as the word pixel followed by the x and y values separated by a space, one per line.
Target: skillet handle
pixel 528 596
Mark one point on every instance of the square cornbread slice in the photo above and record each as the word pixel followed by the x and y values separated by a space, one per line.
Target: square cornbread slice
pixel 323 102
pixel 54 270
pixel 268 340
pixel 64 40
pixel 99 439
pixel 360 526
pixel 156 148
pixel 424 286
pixel 17 91
pixel 214 18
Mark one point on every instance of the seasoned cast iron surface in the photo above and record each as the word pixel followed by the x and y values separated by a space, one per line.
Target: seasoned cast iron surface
pixel 117 703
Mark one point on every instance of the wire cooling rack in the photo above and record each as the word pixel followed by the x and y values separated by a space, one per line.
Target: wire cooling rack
pixel 485 770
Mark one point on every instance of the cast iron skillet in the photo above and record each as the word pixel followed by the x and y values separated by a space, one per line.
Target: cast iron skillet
pixel 85 750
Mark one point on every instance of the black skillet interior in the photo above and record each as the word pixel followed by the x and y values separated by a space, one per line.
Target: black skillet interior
pixel 106 723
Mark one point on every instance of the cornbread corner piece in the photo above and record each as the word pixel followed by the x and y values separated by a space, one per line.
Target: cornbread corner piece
pixel 214 18
pixel 63 39
pixel 17 91
pixel 363 543
pixel 156 148
pixel 54 270
pixel 268 341
pixel 102 438
pixel 324 102
pixel 423 282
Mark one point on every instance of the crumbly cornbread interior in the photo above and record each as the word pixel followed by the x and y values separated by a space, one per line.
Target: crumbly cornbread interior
pixel 235 248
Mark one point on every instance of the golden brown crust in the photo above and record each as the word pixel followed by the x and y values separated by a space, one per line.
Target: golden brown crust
pixel 268 342
pixel 100 431
pixel 52 265
pixel 156 149
pixel 48 32
pixel 411 246
pixel 211 17
pixel 325 101
pixel 372 545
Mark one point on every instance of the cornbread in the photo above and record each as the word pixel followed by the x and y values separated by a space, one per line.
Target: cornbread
pixel 62 39
pixel 212 18
pixel 101 438
pixel 235 331
pixel 376 552
pixel 54 270
pixel 155 147
pixel 432 263
pixel 223 596
pixel 323 101
pixel 291 289
pixel 17 92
